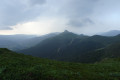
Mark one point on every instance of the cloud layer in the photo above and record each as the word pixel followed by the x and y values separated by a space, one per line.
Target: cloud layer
pixel 17 11
pixel 80 16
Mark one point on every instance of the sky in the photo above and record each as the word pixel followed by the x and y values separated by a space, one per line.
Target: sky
pixel 47 16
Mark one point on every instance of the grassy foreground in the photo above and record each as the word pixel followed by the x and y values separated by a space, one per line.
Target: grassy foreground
pixel 15 66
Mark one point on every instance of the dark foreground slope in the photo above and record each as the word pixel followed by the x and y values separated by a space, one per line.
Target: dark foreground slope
pixel 15 66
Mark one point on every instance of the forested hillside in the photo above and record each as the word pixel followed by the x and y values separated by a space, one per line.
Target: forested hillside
pixel 68 46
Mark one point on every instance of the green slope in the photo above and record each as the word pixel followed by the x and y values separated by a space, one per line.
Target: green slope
pixel 15 66
pixel 110 51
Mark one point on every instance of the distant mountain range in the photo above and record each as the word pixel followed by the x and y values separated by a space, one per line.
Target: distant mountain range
pixel 18 42
pixel 68 46
pixel 36 40
pixel 14 42
pixel 111 33
pixel 65 46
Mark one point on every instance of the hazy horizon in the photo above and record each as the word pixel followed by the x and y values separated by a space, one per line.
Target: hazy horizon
pixel 111 32
pixel 40 17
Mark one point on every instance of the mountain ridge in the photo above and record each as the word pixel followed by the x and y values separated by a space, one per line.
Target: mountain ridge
pixel 111 33
pixel 68 46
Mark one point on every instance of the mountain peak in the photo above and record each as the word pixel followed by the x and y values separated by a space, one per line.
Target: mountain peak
pixel 66 31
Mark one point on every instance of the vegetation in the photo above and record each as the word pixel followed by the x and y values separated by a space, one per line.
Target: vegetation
pixel 71 47
pixel 99 57
pixel 15 66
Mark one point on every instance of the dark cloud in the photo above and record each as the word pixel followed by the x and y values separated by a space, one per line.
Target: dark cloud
pixel 3 27
pixel 74 13
pixel 16 11
pixel 75 23
pixel 80 23
pixel 77 12
pixel 79 8
pixel 37 2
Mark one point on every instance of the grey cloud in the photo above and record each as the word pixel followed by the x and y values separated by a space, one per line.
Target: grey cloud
pixel 80 23
pixel 16 11
pixel 77 11
pixel 2 27
pixel 88 20
pixel 79 8
pixel 37 2
pixel 75 23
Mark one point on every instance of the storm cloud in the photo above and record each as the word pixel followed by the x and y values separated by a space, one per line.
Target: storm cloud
pixel 53 15
pixel 17 11
pixel 37 2
pixel 80 22
pixel 79 12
